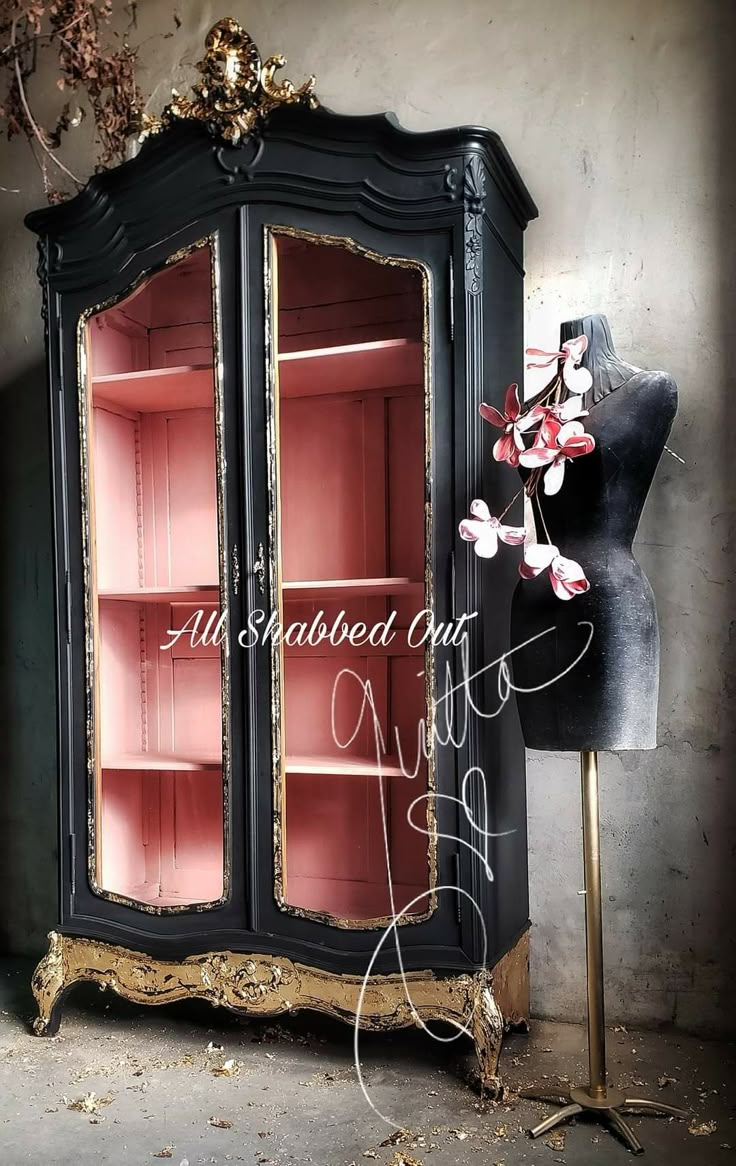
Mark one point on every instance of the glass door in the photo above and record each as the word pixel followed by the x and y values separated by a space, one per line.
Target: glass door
pixel 151 424
pixel 350 407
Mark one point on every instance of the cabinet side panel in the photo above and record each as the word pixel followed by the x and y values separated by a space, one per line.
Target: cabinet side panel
pixel 503 350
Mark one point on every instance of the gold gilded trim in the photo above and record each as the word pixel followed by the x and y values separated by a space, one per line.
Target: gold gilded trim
pixel 84 394
pixel 274 543
pixel 237 91
pixel 267 985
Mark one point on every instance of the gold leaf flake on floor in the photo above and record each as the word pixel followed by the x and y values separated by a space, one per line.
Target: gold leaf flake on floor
pixel 396 1137
pixel 89 1104
pixel 220 1123
pixel 703 1129
pixel 230 1068
pixel 556 1140
pixel 402 1159
pixel 166 1152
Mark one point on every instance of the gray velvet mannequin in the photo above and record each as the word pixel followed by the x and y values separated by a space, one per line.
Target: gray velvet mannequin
pixel 609 699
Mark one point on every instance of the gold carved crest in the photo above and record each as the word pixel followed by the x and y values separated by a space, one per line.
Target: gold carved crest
pixel 237 89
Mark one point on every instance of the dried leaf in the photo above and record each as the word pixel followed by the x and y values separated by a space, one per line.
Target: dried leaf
pixel 402 1159
pixel 220 1123
pixel 167 1152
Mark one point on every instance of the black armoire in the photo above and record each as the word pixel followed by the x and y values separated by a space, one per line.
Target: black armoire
pixel 279 720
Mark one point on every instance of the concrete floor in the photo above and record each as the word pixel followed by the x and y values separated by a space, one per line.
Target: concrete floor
pixel 129 1085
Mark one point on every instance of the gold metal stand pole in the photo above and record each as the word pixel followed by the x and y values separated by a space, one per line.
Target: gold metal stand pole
pixel 596 1099
pixel 593 925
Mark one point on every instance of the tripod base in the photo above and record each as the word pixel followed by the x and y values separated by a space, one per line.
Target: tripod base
pixel 606 1109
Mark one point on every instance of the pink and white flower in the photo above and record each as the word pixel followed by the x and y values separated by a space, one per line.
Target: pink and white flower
pixel 485 531
pixel 513 423
pixel 566 576
pixel 576 379
pixel 556 444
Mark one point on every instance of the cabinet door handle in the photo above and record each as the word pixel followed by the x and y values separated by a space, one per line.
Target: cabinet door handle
pixel 259 569
pixel 235 568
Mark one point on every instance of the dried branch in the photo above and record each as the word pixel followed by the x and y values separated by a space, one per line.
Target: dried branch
pixel 89 63
pixel 35 128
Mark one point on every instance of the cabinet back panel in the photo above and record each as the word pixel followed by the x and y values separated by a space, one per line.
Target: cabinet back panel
pixel 351 477
pixel 325 499
pixel 116 495
pixel 154 522
pixel 121 715
pixel 163 835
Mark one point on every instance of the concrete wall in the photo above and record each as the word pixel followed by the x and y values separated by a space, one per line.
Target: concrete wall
pixel 618 117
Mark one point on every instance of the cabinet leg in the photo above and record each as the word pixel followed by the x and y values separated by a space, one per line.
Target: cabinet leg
pixel 487 1032
pixel 49 988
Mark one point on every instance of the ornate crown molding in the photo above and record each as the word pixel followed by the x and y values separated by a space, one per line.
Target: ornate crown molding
pixel 237 90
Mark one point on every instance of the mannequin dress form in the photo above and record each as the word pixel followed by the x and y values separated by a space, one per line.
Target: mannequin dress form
pixel 608 698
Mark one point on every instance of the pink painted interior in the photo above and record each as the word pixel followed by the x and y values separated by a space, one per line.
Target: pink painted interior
pixel 352 540
pixel 351 471
pixel 159 721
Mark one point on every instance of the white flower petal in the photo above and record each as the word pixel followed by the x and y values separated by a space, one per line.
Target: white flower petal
pixel 479 509
pixel 570 429
pixel 571 408
pixel 576 348
pixel 487 543
pixel 577 380
pixel 555 476
pixel 470 529
pixel 537 556
pixel 513 535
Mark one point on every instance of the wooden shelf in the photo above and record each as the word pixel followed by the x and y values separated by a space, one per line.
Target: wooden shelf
pixel 157 389
pixel 209 593
pixel 348 765
pixel 351 368
pixel 339 588
pixel 161 761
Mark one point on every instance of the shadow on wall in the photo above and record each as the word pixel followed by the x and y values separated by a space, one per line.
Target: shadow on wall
pixel 693 906
pixel 28 786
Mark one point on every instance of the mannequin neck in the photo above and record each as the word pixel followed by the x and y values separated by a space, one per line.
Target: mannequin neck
pixel 608 370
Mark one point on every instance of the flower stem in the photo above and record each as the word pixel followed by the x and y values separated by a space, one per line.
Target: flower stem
pixel 511 503
pixel 544 524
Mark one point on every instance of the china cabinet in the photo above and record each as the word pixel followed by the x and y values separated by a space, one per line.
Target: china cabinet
pixel 268 335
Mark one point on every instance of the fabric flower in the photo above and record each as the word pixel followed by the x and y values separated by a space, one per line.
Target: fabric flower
pixel 577 380
pixel 566 576
pixel 485 531
pixel 569 410
pixel 508 447
pixel 555 445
